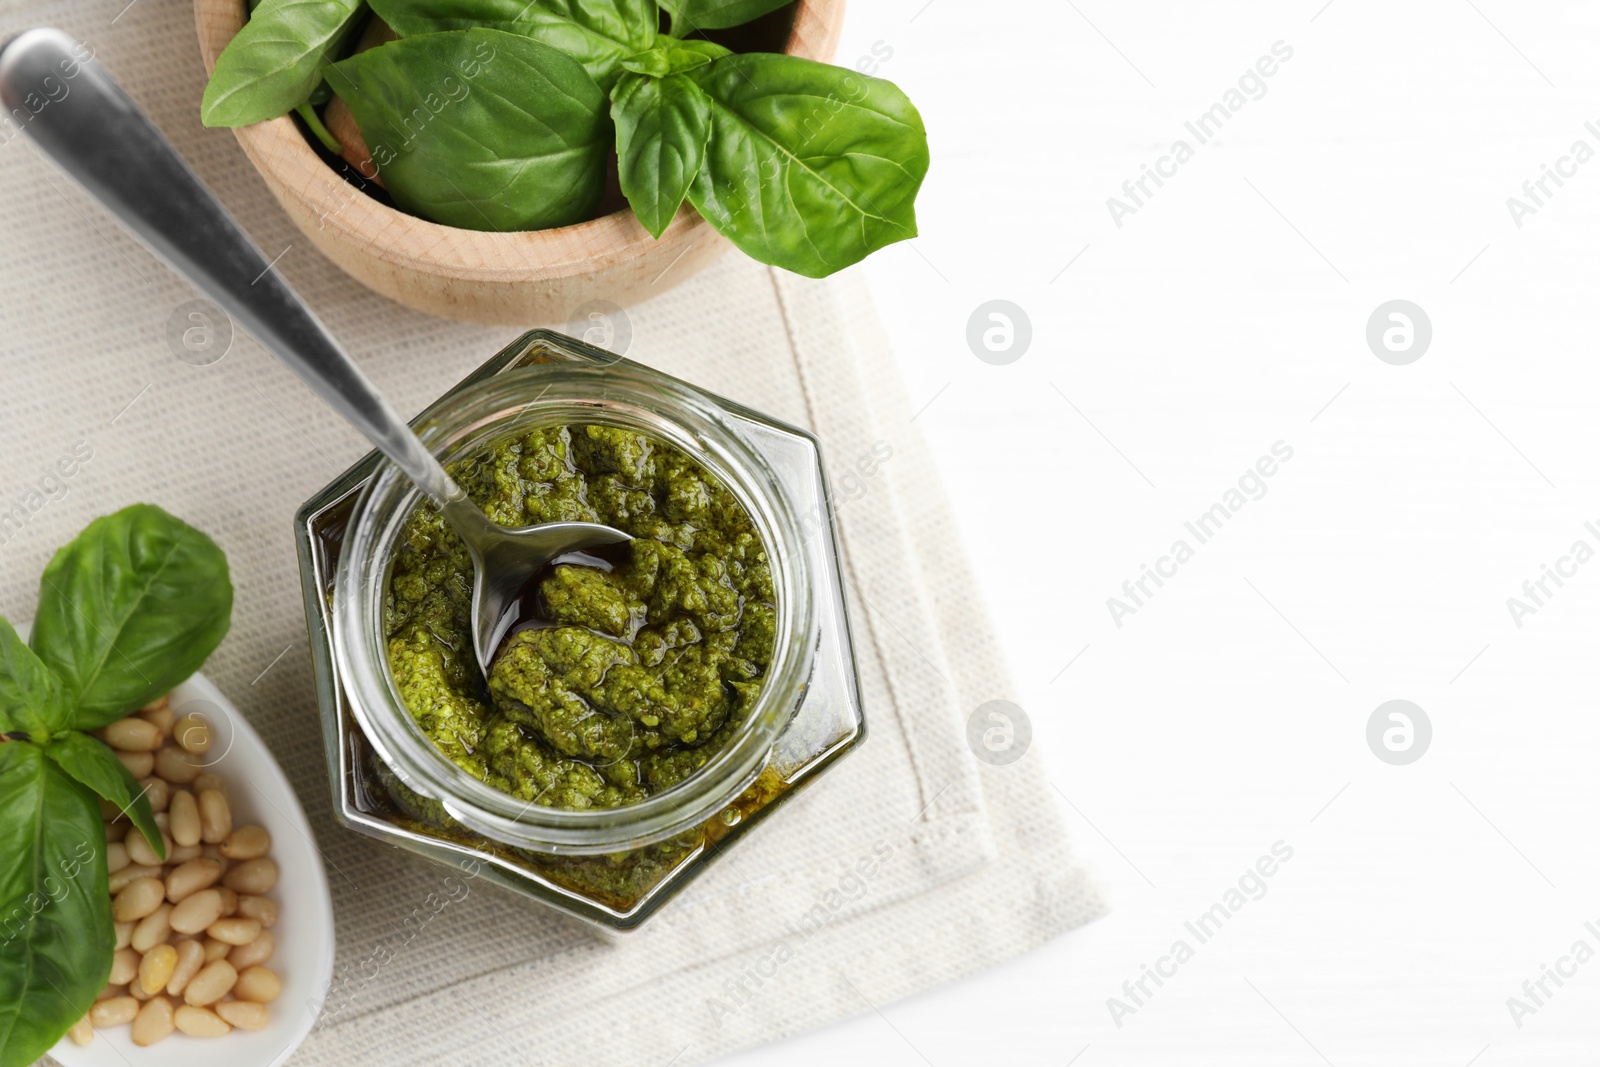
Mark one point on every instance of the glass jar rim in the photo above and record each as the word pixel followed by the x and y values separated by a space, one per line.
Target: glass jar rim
pixel 489 411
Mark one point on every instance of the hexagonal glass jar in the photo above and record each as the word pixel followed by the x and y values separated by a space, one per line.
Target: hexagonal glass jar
pixel 612 867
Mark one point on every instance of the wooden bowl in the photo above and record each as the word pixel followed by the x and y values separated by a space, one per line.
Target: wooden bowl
pixel 504 279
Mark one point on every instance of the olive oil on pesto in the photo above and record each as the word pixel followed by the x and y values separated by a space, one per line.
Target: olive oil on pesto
pixel 641 663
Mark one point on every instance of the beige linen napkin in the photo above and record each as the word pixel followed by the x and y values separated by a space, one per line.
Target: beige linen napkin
pixel 908 864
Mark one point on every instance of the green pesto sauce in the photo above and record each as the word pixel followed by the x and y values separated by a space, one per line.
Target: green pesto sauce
pixel 634 677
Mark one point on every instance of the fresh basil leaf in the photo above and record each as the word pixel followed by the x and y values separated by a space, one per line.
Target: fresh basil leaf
pixel 662 127
pixel 274 62
pixel 480 128
pixel 597 33
pixel 810 167
pixel 672 56
pixel 55 915
pixel 31 697
pixel 691 15
pixel 128 609
pixel 89 761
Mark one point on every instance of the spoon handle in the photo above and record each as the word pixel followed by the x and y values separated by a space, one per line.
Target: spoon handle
pixel 91 129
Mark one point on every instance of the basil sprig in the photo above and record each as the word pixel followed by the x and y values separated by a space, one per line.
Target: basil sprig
pixel 274 63
pixel 127 610
pixel 663 125
pixel 56 938
pixel 691 15
pixel 599 34
pixel 32 699
pixel 809 167
pixel 802 165
pixel 513 138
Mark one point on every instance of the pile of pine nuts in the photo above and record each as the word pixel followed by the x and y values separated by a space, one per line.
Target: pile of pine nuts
pixel 194 931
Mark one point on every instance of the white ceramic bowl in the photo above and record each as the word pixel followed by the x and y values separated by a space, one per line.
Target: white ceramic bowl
pixel 258 793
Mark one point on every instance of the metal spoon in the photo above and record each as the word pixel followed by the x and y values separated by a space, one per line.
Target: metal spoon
pixel 83 121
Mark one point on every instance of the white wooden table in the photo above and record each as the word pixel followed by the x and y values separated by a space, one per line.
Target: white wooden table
pixel 1226 314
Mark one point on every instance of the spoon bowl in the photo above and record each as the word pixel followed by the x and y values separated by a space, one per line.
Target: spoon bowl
pixel 511 558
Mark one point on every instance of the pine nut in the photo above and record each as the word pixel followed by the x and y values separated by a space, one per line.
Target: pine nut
pixel 183 817
pixel 158 703
pixel 189 878
pixel 139 849
pixel 216 817
pixel 132 735
pixel 139 764
pixel 130 874
pixel 138 898
pixel 191 957
pixel 155 970
pixel 124 966
pixel 196 911
pixel 263 910
pixel 234 931
pixel 247 843
pixel 245 1014
pixel 258 984
pixel 183 853
pixel 160 718
pixel 114 1012
pixel 193 733
pixel 154 1020
pixel 190 930
pixel 211 984
pixel 198 1022
pixel 258 951
pixel 156 790
pixel 152 930
pixel 255 876
pixel 176 765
